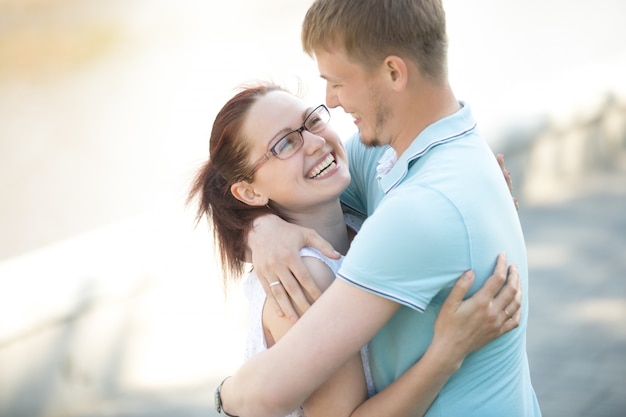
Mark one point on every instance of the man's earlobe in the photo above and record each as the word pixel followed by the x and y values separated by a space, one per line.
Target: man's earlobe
pixel 397 71
pixel 244 192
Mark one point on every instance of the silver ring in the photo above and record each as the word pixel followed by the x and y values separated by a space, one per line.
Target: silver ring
pixel 272 284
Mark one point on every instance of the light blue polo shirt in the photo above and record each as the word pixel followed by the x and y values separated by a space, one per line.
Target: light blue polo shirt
pixel 443 208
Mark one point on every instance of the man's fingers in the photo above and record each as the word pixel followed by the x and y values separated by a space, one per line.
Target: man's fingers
pixel 288 293
pixel 277 297
pixel 314 240
pixel 275 306
pixel 306 281
pixel 277 285
pixel 283 301
pixel 296 297
pixel 274 246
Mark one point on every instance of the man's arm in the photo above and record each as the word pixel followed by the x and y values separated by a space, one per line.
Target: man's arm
pixel 275 251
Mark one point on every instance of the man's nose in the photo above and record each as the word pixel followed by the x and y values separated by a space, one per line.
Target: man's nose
pixel 332 100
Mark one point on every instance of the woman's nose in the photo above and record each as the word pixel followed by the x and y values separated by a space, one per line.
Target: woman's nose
pixel 312 141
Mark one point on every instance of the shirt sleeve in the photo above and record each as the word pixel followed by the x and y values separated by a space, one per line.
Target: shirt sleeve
pixel 408 251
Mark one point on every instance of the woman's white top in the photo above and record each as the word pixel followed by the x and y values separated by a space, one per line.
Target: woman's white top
pixel 256 337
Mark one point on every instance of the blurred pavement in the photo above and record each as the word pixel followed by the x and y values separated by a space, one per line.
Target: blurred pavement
pixel 577 324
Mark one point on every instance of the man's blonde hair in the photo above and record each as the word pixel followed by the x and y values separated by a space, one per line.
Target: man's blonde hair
pixel 370 30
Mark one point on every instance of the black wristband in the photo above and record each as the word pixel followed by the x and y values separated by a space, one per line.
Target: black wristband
pixel 218 399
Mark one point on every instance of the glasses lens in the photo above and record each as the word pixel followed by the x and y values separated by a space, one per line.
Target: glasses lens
pixel 317 120
pixel 288 145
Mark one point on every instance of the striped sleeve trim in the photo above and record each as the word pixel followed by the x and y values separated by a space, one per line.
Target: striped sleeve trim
pixel 389 296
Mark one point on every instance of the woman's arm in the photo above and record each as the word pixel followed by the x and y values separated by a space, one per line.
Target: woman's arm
pixel 461 327
pixel 345 389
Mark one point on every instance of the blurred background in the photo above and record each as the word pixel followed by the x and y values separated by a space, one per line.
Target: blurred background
pixel 110 301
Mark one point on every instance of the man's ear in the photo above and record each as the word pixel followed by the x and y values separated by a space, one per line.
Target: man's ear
pixel 397 72
pixel 244 192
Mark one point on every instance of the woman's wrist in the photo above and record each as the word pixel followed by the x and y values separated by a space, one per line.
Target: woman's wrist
pixel 445 357
pixel 219 404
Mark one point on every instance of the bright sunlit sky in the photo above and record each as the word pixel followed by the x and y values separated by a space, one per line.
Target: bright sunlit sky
pixel 106 106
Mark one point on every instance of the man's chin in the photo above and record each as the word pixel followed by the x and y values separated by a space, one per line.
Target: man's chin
pixel 370 142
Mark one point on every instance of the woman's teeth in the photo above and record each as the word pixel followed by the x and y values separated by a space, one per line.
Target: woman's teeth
pixel 327 163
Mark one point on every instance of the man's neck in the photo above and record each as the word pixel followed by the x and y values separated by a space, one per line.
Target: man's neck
pixel 423 107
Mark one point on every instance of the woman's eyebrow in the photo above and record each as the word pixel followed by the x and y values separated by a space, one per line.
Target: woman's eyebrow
pixel 286 130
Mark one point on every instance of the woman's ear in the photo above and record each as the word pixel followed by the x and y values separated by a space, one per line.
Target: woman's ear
pixel 244 192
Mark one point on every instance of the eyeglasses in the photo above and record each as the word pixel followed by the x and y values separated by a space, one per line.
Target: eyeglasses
pixel 289 144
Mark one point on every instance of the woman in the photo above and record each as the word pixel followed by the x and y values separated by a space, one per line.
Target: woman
pixel 270 153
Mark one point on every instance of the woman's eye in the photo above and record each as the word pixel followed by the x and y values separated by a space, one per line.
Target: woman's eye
pixel 313 121
pixel 286 144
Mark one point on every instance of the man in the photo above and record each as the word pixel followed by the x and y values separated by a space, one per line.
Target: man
pixel 437 206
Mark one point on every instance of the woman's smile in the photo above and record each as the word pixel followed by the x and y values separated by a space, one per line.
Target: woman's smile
pixel 325 166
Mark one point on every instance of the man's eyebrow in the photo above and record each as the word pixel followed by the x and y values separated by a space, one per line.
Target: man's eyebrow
pixel 330 79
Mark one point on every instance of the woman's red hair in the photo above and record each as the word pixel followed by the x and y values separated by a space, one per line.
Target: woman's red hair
pixel 229 218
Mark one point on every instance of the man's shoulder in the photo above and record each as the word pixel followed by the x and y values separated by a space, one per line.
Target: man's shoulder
pixel 416 195
pixel 418 206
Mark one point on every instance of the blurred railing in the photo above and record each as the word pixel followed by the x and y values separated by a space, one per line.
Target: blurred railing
pixel 549 155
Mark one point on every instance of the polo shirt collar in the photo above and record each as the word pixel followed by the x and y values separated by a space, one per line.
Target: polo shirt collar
pixel 444 130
